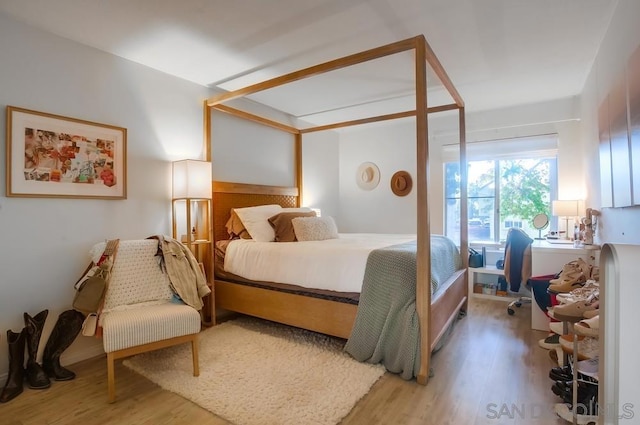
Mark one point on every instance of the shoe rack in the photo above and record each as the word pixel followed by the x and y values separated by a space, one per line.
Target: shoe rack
pixel 547 259
pixel 582 411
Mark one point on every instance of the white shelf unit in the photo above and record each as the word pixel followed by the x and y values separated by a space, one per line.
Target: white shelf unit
pixel 492 270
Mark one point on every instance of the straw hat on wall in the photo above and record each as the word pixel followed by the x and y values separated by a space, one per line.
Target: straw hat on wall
pixel 401 183
pixel 368 176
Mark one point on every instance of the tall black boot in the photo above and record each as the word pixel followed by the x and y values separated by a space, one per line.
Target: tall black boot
pixel 36 378
pixel 13 386
pixel 64 333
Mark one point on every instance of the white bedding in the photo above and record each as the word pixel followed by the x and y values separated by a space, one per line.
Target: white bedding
pixel 332 264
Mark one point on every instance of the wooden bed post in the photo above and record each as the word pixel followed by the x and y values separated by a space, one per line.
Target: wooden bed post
pixel 464 211
pixel 423 288
pixel 206 121
pixel 298 167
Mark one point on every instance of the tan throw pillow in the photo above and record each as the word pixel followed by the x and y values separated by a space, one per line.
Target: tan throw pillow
pixel 314 228
pixel 282 226
pixel 235 228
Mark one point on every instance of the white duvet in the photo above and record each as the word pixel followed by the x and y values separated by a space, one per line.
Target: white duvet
pixel 333 264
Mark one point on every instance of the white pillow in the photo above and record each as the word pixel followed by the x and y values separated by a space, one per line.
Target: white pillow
pixel 301 209
pixel 256 221
pixel 314 228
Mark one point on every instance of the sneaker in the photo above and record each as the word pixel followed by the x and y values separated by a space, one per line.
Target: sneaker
pixel 550 342
pixel 590 290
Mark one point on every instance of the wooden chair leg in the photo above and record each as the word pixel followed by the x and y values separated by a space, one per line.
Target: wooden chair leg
pixel 111 382
pixel 194 354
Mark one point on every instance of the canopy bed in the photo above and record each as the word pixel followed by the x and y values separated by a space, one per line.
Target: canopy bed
pixel 323 312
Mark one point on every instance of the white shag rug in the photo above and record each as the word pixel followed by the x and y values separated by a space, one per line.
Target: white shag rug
pixel 258 372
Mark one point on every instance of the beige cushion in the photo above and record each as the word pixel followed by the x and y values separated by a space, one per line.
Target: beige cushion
pixel 283 227
pixel 137 325
pixel 314 228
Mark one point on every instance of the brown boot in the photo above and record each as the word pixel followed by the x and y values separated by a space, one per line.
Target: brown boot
pixel 63 334
pixel 13 386
pixel 36 378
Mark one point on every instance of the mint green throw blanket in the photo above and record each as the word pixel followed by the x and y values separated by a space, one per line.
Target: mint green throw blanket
pixel 387 329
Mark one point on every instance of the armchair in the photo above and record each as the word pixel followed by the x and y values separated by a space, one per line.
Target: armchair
pixel 140 312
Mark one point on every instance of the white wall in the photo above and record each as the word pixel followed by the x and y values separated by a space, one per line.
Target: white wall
pixel 247 152
pixel 46 241
pixel 617 225
pixel 321 173
pixel 391 146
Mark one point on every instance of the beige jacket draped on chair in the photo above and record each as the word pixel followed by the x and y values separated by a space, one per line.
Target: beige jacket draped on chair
pixel 183 270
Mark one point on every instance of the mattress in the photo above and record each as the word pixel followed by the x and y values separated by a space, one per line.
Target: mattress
pixel 334 264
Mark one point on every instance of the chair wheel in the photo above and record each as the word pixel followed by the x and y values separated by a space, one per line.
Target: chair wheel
pixel 510 311
pixel 518 304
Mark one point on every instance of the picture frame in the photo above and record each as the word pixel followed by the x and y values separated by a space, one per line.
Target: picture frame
pixel 60 157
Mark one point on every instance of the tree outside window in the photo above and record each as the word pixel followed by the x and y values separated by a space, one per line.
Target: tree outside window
pixel 502 194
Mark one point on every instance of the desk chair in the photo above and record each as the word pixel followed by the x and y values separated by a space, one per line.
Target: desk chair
pixel 517 265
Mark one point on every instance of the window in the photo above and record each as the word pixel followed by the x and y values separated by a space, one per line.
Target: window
pixel 503 192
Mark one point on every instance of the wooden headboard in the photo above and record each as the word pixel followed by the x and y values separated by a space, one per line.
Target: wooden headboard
pixel 238 195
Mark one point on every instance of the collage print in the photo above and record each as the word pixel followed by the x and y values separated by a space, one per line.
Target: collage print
pixel 64 158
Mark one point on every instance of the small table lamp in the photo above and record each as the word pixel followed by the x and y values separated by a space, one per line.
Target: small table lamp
pixel 566 210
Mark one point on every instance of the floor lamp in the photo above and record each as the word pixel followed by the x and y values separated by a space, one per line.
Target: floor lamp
pixel 565 209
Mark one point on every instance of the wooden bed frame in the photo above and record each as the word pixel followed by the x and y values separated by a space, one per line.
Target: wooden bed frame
pixel 332 317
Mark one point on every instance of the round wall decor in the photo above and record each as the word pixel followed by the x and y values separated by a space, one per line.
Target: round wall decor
pixel 368 176
pixel 401 183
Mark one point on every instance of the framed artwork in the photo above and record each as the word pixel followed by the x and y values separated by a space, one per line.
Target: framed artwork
pixel 58 157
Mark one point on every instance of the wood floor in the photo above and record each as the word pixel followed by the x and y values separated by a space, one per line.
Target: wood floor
pixel 490 371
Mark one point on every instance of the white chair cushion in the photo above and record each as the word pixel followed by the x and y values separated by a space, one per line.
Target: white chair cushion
pixel 147 323
pixel 136 275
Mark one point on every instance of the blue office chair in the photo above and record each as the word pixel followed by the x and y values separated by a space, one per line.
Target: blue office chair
pixel 517 265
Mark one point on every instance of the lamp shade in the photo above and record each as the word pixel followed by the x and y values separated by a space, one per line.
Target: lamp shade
pixel 191 179
pixel 565 208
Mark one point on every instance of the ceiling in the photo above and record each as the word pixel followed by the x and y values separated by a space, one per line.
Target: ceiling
pixel 498 53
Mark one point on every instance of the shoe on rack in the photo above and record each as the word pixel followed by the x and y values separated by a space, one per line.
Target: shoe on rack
pixel 595 273
pixel 557 356
pixel 572 267
pixel 572 312
pixel 568 282
pixel 550 342
pixel 587 347
pixel 592 313
pixel 564 411
pixel 558 328
pixel 565 373
pixel 588 327
pixel 559 373
pixel 584 292
pixel 564 390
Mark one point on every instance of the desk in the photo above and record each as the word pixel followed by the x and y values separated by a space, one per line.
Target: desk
pixel 548 258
